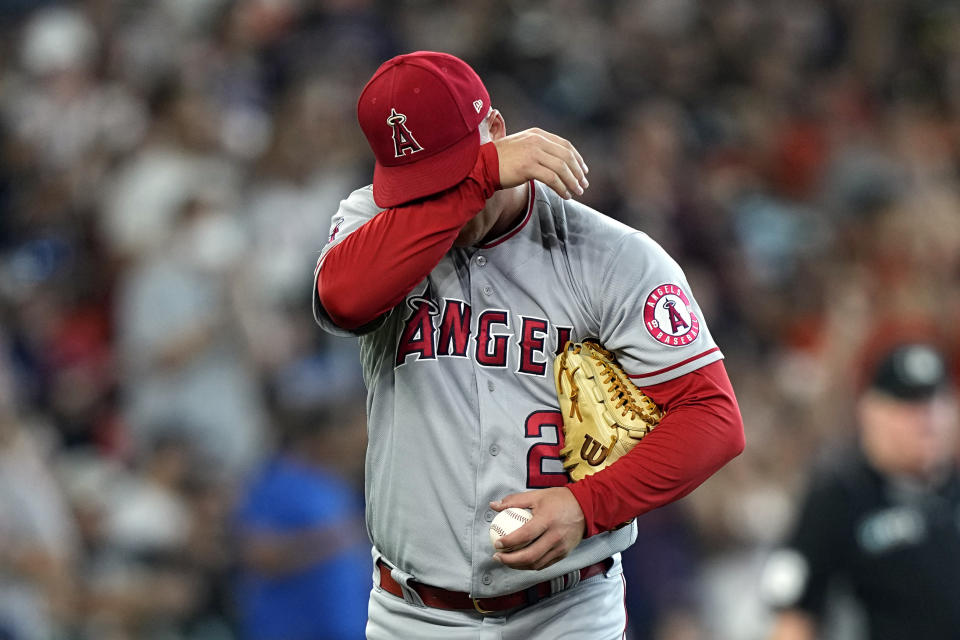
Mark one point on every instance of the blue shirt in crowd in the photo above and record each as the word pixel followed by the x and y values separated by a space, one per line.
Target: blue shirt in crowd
pixel 325 601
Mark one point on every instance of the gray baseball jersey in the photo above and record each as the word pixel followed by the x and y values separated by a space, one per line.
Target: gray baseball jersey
pixel 461 403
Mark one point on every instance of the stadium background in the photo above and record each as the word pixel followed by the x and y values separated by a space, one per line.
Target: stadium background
pixel 168 170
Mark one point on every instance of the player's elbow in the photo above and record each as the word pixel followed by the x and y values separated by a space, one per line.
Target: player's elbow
pixel 722 432
pixel 724 443
pixel 737 440
pixel 344 309
pixel 720 402
pixel 733 438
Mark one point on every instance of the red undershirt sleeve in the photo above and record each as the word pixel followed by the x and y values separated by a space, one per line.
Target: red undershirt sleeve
pixel 376 266
pixel 700 432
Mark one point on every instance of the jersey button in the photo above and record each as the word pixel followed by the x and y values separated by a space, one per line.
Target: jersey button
pixel 481 261
pixel 494 449
pixel 490 385
pixel 486 579
pixel 487 290
pixel 488 516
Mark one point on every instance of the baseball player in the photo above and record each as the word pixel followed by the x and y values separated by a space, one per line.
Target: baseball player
pixel 463 268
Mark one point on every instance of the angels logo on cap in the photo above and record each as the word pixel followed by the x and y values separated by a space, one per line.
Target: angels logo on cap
pixel 403 140
pixel 669 318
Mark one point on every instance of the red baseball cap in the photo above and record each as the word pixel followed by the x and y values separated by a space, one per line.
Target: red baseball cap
pixel 421 112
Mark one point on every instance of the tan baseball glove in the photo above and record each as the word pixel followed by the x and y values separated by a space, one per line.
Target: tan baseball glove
pixel 604 413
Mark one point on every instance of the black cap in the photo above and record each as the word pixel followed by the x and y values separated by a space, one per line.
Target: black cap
pixel 914 371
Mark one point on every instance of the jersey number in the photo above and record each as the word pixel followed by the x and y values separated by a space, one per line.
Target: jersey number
pixel 537 478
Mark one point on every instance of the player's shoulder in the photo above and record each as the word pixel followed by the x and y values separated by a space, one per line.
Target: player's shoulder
pixel 360 202
pixel 574 214
pixel 582 230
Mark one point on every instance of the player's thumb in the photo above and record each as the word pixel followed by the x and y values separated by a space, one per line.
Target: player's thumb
pixel 522 500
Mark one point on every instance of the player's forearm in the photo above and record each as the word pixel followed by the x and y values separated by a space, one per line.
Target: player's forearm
pixel 701 431
pixel 377 265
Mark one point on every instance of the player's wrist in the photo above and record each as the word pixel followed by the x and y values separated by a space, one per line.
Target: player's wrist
pixel 582 493
pixel 487 168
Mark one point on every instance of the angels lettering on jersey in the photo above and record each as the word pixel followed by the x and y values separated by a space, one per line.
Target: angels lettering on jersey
pixel 446 328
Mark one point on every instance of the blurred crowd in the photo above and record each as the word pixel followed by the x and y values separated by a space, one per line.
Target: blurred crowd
pixel 168 171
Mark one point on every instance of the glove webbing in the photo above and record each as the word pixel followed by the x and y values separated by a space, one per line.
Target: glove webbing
pixel 617 389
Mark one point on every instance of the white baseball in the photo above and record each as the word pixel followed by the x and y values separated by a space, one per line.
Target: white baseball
pixel 508 521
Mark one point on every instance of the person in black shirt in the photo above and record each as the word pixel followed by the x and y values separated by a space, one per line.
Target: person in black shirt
pixel 883 515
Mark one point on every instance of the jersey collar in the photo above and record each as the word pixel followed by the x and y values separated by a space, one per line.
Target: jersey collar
pixel 509 233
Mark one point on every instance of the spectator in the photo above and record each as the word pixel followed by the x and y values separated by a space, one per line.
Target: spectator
pixel 306 565
pixel 180 344
pixel 38 536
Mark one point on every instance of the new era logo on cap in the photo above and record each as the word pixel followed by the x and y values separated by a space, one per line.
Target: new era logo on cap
pixel 420 113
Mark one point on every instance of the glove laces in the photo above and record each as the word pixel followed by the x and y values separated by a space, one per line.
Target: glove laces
pixel 574 387
pixel 620 393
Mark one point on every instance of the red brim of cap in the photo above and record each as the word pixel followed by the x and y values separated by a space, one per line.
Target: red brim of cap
pixel 393 186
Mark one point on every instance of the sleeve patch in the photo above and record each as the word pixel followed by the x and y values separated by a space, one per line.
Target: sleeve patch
pixel 669 317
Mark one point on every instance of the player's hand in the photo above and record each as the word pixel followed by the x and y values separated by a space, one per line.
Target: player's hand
pixel 540 155
pixel 555 529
